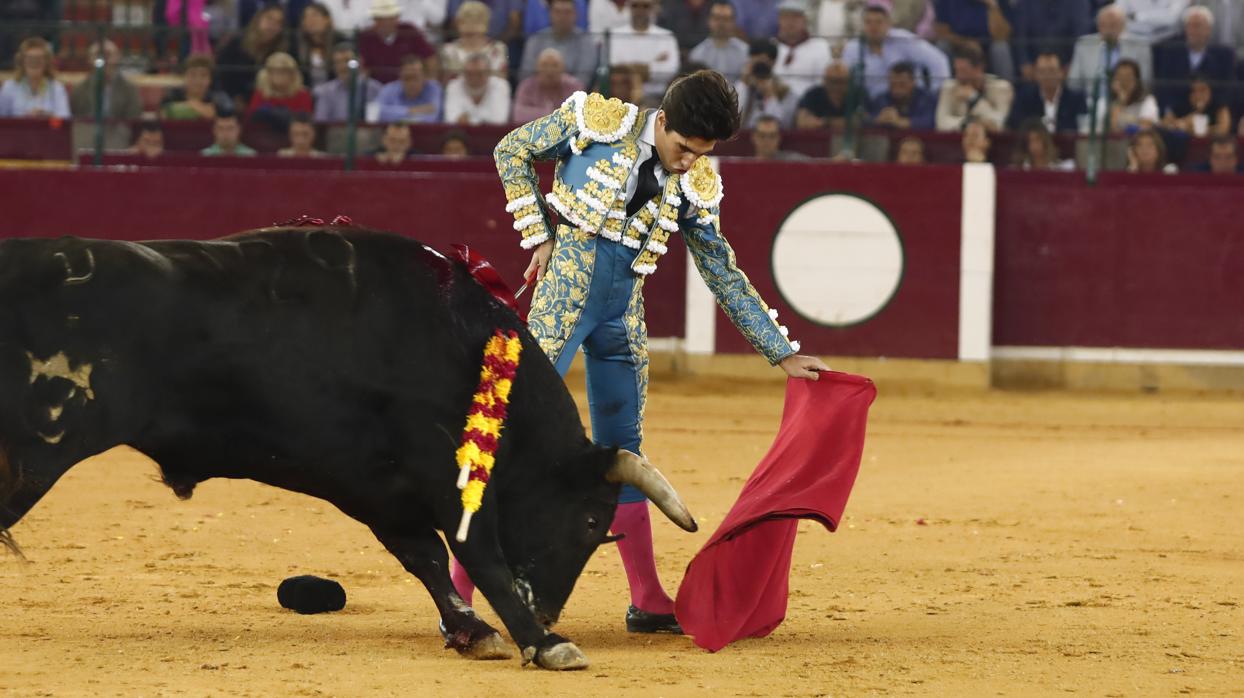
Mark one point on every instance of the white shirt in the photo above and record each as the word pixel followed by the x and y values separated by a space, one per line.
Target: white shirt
pixel 354 15
pixel 1153 20
pixel 802 66
pixel 494 108
pixel 647 144
pixel 1050 119
pixel 605 14
pixel 656 47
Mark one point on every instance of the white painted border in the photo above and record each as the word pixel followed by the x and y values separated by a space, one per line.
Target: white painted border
pixel 976 251
pixel 1123 355
pixel 700 319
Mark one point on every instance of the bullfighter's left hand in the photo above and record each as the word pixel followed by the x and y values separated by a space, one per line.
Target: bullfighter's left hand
pixel 800 366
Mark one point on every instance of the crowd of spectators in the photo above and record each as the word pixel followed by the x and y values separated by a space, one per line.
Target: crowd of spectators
pixel 1155 72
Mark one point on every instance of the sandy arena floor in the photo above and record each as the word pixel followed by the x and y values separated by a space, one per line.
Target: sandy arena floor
pixel 1069 544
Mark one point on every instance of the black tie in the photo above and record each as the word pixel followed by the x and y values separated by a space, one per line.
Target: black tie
pixel 647 187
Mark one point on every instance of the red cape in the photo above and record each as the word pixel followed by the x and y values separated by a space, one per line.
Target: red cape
pixel 736 586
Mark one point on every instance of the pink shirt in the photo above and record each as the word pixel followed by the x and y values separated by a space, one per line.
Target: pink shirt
pixel 532 102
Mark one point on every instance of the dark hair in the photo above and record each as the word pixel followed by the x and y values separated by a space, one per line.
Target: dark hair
pixel 877 9
pixel 411 58
pixel 971 52
pixel 763 47
pixel 702 105
pixel 149 126
pixel 1158 143
pixel 222 115
pixel 903 67
pixel 1227 141
pixel 726 3
pixel 458 135
pixel 767 119
pixel 198 60
pixel 1138 92
pixel 1034 125
pixel 1049 51
pixel 345 46
pixel 299 117
pixel 762 71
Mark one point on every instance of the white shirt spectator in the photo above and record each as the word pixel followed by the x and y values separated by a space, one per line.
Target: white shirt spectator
pixel 801 66
pixel 493 106
pixel 354 15
pixel 1153 20
pixel 655 47
pixel 606 14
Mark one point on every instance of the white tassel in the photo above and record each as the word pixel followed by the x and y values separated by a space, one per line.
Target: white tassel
pixel 463 525
pixel 794 346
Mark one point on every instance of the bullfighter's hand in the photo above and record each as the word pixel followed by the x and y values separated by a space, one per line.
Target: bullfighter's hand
pixel 800 366
pixel 539 262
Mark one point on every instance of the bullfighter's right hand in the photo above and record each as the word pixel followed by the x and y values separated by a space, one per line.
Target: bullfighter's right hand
pixel 539 262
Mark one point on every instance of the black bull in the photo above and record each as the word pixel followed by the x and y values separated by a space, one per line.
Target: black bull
pixel 335 363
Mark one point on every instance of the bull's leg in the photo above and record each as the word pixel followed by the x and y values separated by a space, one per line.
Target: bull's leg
pixel 423 555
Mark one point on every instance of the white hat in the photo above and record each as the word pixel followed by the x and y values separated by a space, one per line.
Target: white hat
pixel 793 6
pixel 384 8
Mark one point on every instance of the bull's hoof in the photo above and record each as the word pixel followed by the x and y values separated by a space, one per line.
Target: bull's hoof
pixel 563 656
pixel 488 647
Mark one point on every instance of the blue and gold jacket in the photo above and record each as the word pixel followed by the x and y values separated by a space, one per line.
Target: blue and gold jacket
pixel 595 142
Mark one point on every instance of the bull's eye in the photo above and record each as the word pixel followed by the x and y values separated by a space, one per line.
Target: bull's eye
pixel 592 523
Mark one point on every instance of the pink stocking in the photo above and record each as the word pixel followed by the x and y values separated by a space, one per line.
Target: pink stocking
pixel 631 520
pixel 462 583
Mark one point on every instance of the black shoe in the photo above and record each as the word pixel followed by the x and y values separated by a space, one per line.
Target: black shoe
pixel 638 621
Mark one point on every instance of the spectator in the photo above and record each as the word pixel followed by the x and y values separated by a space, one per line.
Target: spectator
pixel 1047 25
pixel 227 138
pixel 1059 107
pixel 881 46
pixel 624 83
pixel 239 59
pixel 354 15
pixel 904 106
pixel 758 19
pixel 975 141
pixel 150 141
pixel 722 50
pixel 836 20
pixel 279 92
pixel 454 145
pixel 1228 22
pixel 537 17
pixel 979 22
pixel 1153 20
pixel 1035 149
pixel 412 98
pixel 1147 154
pixel 197 99
pixel 801 57
pixel 477 96
pixel 389 40
pixel 767 140
pixel 542 93
pixel 34 91
pixel 1224 157
pixel 1097 54
pixel 471 21
pixel 349 16
pixel 313 44
pixel 332 99
pixel 1201 113
pixel 1175 61
pixel 394 144
pixel 301 138
pixel 825 106
pixel 607 15
pixel 763 94
pixel 973 92
pixel 121 100
pixel 577 49
pixel 652 49
pixel 1131 106
pixel 910 151
pixel 505 17
pixel 688 20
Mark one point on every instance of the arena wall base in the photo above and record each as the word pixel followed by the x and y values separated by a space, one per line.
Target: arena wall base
pixel 1014 373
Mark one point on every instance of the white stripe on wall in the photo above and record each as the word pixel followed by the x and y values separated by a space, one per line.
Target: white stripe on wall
pixel 701 309
pixel 976 242
pixel 1123 355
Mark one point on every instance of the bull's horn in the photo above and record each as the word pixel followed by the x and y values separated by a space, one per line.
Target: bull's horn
pixel 634 470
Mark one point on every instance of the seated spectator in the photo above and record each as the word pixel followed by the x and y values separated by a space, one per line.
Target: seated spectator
pixel 1097 54
pixel 837 21
pixel 1047 25
pixel 471 21
pixel 1176 61
pixel 196 99
pixel 394 144
pixel 1059 107
pixel 1228 28
pixel 904 105
pixel 1035 148
pixel 607 15
pixel 383 46
pixel 1147 154
pixel 801 57
pixel 227 138
pixel 313 43
pixel 455 146
pixel 150 141
pixel 884 45
pixel 537 16
pixel 974 93
pixel 505 17
pixel 239 59
pixel 121 98
pixel 542 93
pixel 351 16
pixel 577 48
pixel 825 106
pixel 979 22
pixel 688 20
pixel 301 138
pixel 477 96
pixel 757 18
pixel 1224 157
pixel 34 91
pixel 975 141
pixel 767 140
pixel 624 83
pixel 1201 113
pixel 651 49
pixel 1153 20
pixel 1131 106
pixel 412 98
pixel 332 99
pixel 765 94
pixel 910 151
pixel 722 51
pixel 279 92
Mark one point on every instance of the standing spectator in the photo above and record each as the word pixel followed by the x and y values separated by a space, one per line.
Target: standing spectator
pixel 354 15
pixel 825 106
pixel 974 93
pixel 975 141
pixel 1057 106
pixel 801 57
pixel 150 141
pixel 577 49
pixel 394 144
pixel 688 20
pixel 1035 149
pixel 910 151
pixel 197 99
pixel 758 19
pixel 239 59
pixel 1147 154
pixel 301 138
pixel 904 106
pixel 477 96
pixel 1048 25
pixel 1153 20
pixel 881 46
pixel 121 100
pixel 471 20
pixel 652 49
pixel 981 22
pixel 765 95
pixel 1096 55
pixel 1201 113
pixel 313 44
pixel 537 16
pixel 1131 105
pixel 332 99
pixel 1224 157
pixel 389 40
pixel 722 51
pixel 428 16
pixel 1228 22
pixel 505 17
pixel 542 93
pixel 767 140
pixel 412 98
pixel 1175 61
pixel 34 91
pixel 454 145
pixel 606 15
pixel 279 92
pixel 227 138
